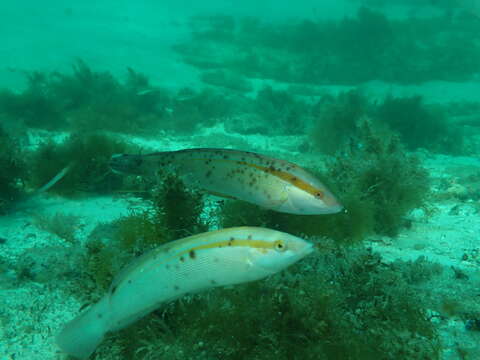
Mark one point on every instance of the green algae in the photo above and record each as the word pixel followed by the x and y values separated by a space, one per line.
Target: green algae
pixel 336 120
pixel 14 171
pixel 420 126
pixel 348 51
pixel 179 209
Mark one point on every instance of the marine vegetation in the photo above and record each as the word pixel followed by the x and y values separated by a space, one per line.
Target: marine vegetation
pixel 35 107
pixel 87 100
pixel 375 179
pixel 86 155
pixel 336 120
pixel 420 126
pixel 341 304
pixel 192 110
pixel 364 47
pixel 179 209
pixel 13 171
pixel 113 245
pixel 378 171
pixel 63 225
pixel 280 111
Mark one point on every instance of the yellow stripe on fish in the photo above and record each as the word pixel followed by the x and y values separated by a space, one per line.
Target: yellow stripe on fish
pixel 189 265
pixel 268 182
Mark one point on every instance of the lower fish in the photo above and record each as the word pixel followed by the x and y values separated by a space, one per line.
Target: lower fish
pixel 190 265
pixel 268 182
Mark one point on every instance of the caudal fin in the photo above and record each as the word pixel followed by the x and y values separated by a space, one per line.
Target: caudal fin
pixel 81 336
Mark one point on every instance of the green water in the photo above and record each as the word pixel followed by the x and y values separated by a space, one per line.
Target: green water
pixel 380 100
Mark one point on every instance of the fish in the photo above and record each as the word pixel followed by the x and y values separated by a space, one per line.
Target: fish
pixel 189 265
pixel 271 183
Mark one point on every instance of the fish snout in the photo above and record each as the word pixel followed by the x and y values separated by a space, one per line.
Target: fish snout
pixel 124 163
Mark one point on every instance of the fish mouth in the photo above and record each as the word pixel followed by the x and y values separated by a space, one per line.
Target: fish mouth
pixel 308 248
pixel 303 248
pixel 117 163
pixel 333 209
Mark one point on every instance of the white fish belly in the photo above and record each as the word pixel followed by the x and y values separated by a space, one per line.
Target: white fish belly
pixel 163 279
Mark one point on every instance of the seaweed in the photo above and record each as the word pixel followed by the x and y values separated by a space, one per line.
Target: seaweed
pixel 87 100
pixel 14 172
pixel 98 101
pixel 420 126
pixel 280 111
pixel 179 209
pixel 61 224
pixel 364 47
pixel 336 120
pixel 379 171
pixel 35 106
pixel 191 110
pixel 86 155
pixel 112 246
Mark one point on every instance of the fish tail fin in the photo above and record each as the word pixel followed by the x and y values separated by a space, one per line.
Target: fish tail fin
pixel 55 179
pixel 81 336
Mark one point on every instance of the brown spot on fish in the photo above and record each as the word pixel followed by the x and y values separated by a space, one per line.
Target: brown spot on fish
pixel 182 259
pixel 213 282
pixel 192 254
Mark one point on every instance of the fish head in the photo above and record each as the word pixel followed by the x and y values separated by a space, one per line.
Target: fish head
pixel 314 199
pixel 281 251
pixel 126 164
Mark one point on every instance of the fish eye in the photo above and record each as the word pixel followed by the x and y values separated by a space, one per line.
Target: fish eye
pixel 280 246
pixel 318 194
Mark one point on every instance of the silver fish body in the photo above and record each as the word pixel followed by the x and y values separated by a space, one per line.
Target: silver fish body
pixel 268 182
pixel 189 265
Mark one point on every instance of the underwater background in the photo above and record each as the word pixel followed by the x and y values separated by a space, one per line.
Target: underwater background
pixel 380 99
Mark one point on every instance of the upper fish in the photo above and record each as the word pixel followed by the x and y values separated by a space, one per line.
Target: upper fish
pixel 262 180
